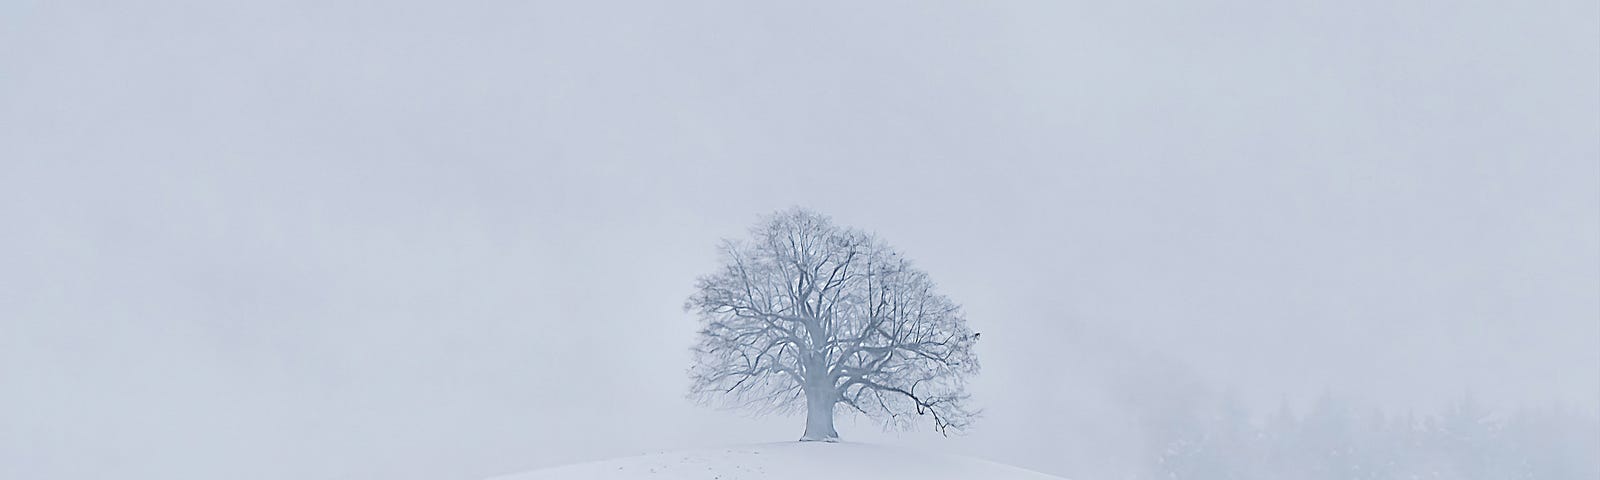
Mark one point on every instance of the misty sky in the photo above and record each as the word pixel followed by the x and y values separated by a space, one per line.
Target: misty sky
pixel 411 240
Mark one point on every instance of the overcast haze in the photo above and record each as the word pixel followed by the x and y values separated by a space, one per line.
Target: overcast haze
pixel 409 240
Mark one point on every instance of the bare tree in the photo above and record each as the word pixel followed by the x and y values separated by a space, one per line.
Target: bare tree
pixel 809 313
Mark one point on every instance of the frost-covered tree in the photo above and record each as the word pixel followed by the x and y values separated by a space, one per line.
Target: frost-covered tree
pixel 807 313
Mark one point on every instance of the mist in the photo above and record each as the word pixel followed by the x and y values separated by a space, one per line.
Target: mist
pixel 414 240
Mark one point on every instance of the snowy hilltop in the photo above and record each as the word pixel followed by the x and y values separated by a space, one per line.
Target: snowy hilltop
pixel 788 461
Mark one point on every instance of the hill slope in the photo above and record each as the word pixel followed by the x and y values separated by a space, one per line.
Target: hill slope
pixel 788 461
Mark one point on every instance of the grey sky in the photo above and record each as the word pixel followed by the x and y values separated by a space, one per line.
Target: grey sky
pixel 416 240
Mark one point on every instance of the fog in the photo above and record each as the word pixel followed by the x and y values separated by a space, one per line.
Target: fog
pixel 411 240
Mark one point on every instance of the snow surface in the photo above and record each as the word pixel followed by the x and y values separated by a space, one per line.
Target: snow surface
pixel 788 461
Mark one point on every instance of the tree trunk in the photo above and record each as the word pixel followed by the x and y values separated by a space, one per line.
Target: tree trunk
pixel 819 415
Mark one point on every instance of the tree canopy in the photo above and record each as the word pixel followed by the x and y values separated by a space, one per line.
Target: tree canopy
pixel 809 314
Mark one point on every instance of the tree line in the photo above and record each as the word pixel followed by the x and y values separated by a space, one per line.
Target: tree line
pixel 1335 439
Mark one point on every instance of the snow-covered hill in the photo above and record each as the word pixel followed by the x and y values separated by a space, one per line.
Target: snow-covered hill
pixel 788 461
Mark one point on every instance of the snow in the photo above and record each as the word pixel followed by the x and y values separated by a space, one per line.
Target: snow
pixel 788 461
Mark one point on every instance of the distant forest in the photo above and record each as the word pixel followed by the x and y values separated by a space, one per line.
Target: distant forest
pixel 1218 439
